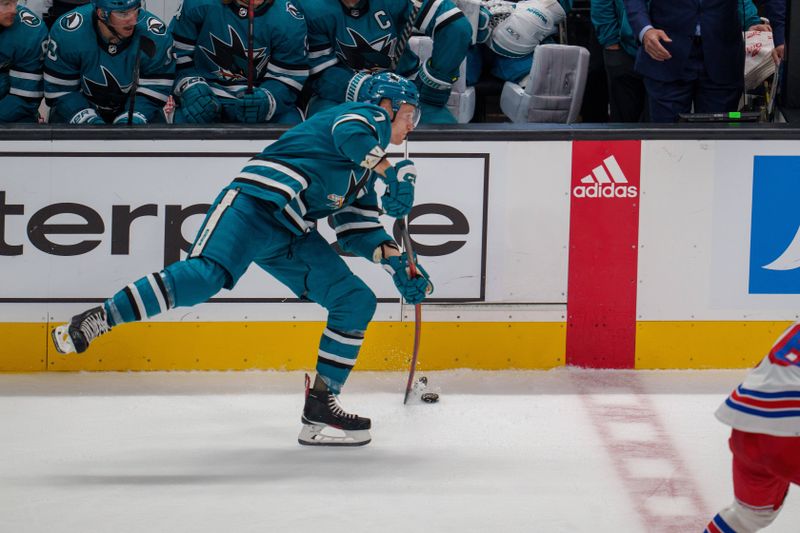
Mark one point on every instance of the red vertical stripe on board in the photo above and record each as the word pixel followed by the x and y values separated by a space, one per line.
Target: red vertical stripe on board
pixel 603 243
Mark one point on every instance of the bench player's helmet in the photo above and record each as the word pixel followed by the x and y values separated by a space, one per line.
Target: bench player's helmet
pixel 107 6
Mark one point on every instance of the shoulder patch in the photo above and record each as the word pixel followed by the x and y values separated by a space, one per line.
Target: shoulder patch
pixel 155 26
pixel 29 19
pixel 293 11
pixel 71 21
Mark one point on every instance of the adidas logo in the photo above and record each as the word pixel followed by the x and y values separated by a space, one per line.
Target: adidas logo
pixel 605 181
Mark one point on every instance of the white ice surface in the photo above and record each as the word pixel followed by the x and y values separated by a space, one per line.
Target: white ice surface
pixel 501 452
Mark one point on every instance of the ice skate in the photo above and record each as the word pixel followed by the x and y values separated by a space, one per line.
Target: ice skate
pixel 325 423
pixel 81 331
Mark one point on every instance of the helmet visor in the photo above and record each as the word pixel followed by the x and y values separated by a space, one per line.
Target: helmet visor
pixel 417 116
pixel 409 112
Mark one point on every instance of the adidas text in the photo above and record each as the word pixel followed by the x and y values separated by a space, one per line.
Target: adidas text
pixel 609 190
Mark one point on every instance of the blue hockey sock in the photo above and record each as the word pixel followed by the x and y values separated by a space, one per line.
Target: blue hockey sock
pixel 143 298
pixel 181 284
pixel 337 354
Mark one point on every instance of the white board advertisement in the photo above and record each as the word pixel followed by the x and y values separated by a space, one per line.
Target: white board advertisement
pixel 76 227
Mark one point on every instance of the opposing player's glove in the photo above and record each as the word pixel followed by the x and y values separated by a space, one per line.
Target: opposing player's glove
pixel 413 290
pixel 255 107
pixel 198 103
pixel 137 117
pixel 398 199
pixel 86 116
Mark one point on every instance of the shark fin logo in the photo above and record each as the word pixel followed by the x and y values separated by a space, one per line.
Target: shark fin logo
pixel 29 19
pixel 231 57
pixel 364 54
pixel 775 226
pixel 293 11
pixel 155 26
pixel 71 21
pixel 789 258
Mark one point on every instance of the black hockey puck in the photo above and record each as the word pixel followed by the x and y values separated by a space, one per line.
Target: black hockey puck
pixel 429 397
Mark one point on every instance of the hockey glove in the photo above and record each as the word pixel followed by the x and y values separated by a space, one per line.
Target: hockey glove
pixel 434 87
pixel 358 88
pixel 255 107
pixel 413 290
pixel 86 116
pixel 484 24
pixel 138 118
pixel 499 10
pixel 398 199
pixel 198 103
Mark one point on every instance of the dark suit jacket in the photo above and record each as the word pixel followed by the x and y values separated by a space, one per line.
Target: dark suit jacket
pixel 721 28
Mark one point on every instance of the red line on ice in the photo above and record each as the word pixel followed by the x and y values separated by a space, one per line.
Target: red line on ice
pixel 680 484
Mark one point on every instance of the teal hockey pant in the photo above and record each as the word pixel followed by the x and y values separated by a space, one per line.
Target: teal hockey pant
pixel 240 230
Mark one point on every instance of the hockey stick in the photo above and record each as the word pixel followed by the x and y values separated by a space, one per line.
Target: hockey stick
pixel 149 48
pixel 251 15
pixel 412 273
pixel 406 34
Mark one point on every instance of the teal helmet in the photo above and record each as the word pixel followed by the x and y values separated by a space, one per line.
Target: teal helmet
pixel 107 6
pixel 394 88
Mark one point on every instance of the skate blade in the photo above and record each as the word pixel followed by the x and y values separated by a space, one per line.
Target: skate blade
pixel 62 340
pixel 322 435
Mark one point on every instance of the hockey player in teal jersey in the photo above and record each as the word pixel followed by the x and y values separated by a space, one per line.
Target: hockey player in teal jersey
pixel 211 49
pixel 350 39
pixel 91 61
pixel 326 166
pixel 22 38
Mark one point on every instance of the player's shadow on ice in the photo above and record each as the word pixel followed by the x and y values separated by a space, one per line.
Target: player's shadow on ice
pixel 254 466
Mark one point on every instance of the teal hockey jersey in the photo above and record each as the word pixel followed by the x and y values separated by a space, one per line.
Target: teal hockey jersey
pixel 342 41
pixel 320 168
pixel 21 48
pixel 85 76
pixel 211 42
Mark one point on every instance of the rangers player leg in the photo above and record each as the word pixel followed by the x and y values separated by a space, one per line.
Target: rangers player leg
pixel 741 518
pixel 314 271
pixel 763 467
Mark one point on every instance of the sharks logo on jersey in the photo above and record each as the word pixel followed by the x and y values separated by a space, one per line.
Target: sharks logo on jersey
pixel 363 54
pixel 29 19
pixel 355 189
pixel 71 21
pixel 107 94
pixel 231 57
pixel 156 26
pixel 293 11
